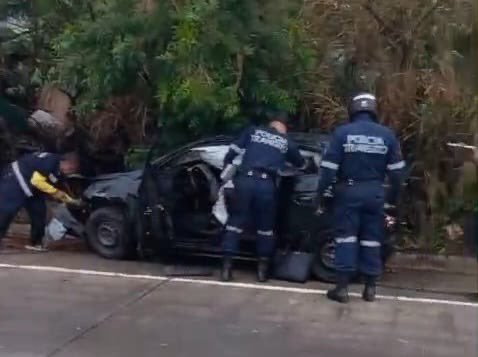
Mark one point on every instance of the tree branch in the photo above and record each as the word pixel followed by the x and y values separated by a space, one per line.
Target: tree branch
pixel 89 5
pixel 385 28
pixel 18 35
pixel 240 69
pixel 175 5
pixel 425 16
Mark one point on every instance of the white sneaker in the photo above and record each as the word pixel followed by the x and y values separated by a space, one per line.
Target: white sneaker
pixel 36 248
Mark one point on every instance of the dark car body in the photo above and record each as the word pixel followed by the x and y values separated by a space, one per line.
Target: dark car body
pixel 166 207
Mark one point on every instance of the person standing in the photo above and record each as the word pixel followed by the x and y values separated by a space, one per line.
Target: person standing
pixel 360 156
pixel 26 182
pixel 264 150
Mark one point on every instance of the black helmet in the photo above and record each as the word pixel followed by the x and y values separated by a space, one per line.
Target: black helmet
pixel 363 102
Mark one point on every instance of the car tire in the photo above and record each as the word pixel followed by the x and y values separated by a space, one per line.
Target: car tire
pixel 323 267
pixel 107 233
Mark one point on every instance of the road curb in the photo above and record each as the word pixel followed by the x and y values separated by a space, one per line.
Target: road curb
pixel 450 264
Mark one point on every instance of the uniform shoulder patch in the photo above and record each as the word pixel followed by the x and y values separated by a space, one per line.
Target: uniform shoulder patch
pixel 270 139
pixel 365 144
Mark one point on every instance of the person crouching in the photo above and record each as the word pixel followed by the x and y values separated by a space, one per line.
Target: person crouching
pixel 26 183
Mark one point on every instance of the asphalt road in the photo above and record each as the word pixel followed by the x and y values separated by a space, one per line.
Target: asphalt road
pixel 60 304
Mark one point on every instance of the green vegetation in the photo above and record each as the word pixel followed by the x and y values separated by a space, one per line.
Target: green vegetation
pixel 187 63
pixel 195 67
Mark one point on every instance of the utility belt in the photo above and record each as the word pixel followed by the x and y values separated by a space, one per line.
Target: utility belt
pixel 258 173
pixel 352 182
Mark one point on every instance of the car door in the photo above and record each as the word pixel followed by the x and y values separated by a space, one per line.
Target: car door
pixel 297 202
pixel 156 195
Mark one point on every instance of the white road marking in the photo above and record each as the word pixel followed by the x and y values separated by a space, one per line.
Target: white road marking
pixel 226 284
pixel 83 272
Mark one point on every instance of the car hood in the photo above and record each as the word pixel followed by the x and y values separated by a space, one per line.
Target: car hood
pixel 114 186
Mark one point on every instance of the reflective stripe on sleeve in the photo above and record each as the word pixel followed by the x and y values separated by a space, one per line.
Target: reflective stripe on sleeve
pixel 329 165
pixel 21 179
pixel 265 233
pixel 350 239
pixel 397 166
pixel 233 229
pixel 370 243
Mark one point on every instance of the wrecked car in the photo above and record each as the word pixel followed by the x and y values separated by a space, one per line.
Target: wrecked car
pixel 167 207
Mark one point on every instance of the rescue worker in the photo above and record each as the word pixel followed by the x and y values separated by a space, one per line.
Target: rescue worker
pixel 265 151
pixel 360 155
pixel 25 182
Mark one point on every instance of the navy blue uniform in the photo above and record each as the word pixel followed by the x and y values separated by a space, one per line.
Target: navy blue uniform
pixel 360 156
pixel 265 151
pixel 16 191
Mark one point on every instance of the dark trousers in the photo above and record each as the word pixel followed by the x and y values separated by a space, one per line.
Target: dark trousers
pixel 359 228
pixel 253 201
pixel 36 209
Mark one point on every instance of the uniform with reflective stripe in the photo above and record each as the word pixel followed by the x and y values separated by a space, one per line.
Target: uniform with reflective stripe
pixel 23 184
pixel 346 240
pixel 21 180
pixel 264 152
pixel 267 150
pixel 361 151
pixel 361 154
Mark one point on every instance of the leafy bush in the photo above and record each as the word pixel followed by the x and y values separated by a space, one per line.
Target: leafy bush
pixel 418 57
pixel 195 64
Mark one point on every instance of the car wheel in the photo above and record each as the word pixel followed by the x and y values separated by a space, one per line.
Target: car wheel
pixel 324 262
pixel 107 233
pixel 323 267
pixel 388 248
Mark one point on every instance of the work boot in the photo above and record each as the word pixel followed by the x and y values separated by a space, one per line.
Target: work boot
pixel 263 270
pixel 370 289
pixel 226 270
pixel 340 293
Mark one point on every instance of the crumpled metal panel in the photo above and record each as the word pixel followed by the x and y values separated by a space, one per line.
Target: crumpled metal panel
pixel 115 186
pixel 213 155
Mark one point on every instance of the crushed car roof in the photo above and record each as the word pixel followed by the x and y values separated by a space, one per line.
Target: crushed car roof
pixel 121 185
